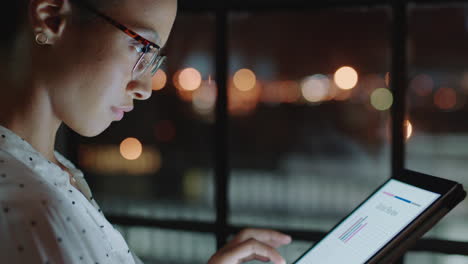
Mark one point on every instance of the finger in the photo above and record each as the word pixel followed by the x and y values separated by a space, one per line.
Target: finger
pixel 255 257
pixel 270 237
pixel 251 248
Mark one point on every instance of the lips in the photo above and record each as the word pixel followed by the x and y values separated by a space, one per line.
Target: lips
pixel 119 111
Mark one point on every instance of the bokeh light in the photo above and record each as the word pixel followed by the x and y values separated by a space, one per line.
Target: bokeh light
pixel 204 98
pixel 382 99
pixel 131 148
pixel 107 160
pixel 409 129
pixel 189 79
pixel 244 79
pixel 422 84
pixel 281 92
pixel 346 78
pixel 342 95
pixel 445 98
pixel 159 80
pixel 315 88
pixel 241 103
pixel 387 79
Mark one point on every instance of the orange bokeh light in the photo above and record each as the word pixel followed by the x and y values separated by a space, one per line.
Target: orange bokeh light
pixel 445 98
pixel 159 80
pixel 244 80
pixel 189 79
pixel 131 149
pixel 346 78
pixel 409 129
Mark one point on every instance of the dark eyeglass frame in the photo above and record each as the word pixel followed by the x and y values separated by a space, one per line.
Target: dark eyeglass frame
pixel 147 44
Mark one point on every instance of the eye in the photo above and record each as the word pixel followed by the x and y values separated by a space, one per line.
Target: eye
pixel 137 46
pixel 139 49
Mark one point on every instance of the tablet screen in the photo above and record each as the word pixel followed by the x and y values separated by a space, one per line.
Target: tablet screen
pixel 371 226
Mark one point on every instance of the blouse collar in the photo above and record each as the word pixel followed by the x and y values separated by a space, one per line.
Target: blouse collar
pixel 23 151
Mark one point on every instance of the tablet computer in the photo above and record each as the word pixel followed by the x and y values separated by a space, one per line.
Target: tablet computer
pixel 388 222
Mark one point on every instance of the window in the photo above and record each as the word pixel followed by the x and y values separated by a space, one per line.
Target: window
pixel 302 148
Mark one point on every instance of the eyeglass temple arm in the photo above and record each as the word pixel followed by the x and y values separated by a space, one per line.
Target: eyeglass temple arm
pixel 125 29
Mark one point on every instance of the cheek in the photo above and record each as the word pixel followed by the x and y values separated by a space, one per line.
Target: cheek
pixel 93 78
pixel 84 103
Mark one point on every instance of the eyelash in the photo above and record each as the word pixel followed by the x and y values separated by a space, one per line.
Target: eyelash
pixel 138 46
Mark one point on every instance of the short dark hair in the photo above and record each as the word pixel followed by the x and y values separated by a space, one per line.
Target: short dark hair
pixel 17 11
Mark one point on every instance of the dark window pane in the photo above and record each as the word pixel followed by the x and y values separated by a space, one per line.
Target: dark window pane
pixel 307 147
pixel 437 97
pixel 171 247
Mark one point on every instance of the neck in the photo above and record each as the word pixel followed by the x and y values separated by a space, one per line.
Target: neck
pixel 26 110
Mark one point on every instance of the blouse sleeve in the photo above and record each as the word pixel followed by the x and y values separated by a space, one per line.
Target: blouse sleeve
pixel 41 222
pixel 39 228
pixel 32 231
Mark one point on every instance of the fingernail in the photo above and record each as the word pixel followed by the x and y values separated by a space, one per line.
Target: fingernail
pixel 288 239
pixel 283 261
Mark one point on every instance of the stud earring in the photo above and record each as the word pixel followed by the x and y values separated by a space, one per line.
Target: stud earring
pixel 41 38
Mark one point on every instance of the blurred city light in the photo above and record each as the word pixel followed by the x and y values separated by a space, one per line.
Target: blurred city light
pixel 445 98
pixel 342 95
pixel 281 92
pixel 346 78
pixel 159 80
pixel 382 99
pixel 204 98
pixel 409 129
pixel 189 79
pixel 387 80
pixel 422 84
pixel 315 88
pixel 131 148
pixel 244 79
pixel 243 102
pixel 106 160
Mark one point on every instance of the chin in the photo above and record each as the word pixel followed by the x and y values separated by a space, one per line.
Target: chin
pixel 89 129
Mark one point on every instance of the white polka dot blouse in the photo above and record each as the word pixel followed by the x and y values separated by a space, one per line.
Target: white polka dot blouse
pixel 44 219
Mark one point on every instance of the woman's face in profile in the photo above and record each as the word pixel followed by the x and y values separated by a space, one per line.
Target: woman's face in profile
pixel 88 70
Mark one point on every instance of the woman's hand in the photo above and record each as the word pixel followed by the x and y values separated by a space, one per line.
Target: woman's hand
pixel 250 244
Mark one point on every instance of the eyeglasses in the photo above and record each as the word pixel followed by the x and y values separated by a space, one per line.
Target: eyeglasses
pixel 150 58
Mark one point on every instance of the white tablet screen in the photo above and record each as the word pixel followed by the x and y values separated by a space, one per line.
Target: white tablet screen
pixel 372 225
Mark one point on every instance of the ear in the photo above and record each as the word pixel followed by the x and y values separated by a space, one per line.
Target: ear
pixel 49 17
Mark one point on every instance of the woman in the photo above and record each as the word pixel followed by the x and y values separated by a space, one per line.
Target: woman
pixel 71 62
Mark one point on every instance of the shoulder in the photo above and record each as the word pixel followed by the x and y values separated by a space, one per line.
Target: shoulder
pixel 20 183
pixel 38 223
pixel 30 223
pixel 25 197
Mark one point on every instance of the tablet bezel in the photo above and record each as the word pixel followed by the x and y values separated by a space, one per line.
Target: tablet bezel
pixel 416 179
pixel 426 182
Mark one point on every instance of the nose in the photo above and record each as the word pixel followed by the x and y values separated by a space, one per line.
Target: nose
pixel 140 89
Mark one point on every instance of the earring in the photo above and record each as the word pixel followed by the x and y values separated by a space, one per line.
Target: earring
pixel 41 38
